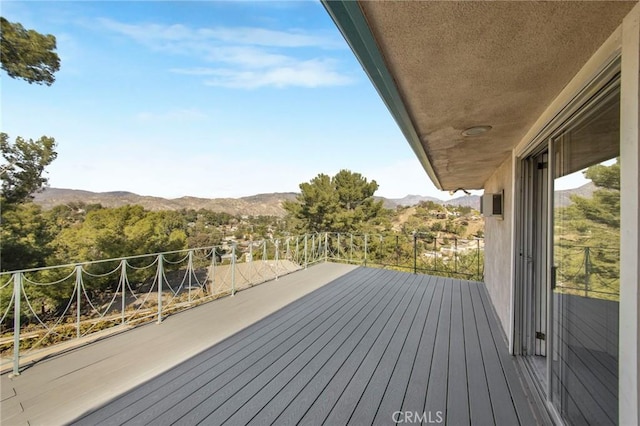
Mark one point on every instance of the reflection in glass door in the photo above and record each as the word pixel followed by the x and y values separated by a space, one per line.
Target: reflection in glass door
pixel 585 272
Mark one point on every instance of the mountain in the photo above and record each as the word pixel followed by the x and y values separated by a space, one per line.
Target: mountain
pixel 563 198
pixel 254 205
pixel 472 201
pixel 412 200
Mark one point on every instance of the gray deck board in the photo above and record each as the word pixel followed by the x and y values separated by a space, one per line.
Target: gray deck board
pixel 376 387
pixel 261 388
pixel 280 325
pixel 356 351
pixel 351 394
pixel 59 388
pixel 480 410
pixel 230 373
pixel 501 402
pixel 415 396
pixel 519 398
pixel 438 379
pixel 395 389
pixel 458 386
pixel 319 396
pixel 310 379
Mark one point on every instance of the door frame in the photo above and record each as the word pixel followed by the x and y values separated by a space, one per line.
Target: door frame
pixel 608 76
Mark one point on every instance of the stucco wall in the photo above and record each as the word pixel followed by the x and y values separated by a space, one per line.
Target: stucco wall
pixel 498 257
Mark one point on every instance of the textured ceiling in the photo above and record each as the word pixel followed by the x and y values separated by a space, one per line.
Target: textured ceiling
pixel 461 64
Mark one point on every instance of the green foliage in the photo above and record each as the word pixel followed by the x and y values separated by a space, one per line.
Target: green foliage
pixel 25 236
pixel 25 163
pixel 588 236
pixel 27 54
pixel 120 232
pixel 343 203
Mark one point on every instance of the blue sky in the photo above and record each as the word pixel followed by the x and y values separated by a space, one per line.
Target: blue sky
pixel 207 99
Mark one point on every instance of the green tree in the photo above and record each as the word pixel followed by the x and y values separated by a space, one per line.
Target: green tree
pixel 588 234
pixel 118 232
pixel 343 203
pixel 604 206
pixel 25 236
pixel 27 54
pixel 25 163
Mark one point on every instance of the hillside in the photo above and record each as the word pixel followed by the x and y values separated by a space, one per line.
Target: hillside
pixel 254 205
pixel 563 198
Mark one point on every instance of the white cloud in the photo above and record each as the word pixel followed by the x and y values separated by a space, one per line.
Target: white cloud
pixel 151 34
pixel 313 73
pixel 179 115
pixel 265 37
pixel 242 57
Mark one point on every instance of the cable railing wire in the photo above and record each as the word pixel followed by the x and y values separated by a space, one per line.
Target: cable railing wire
pixel 97 299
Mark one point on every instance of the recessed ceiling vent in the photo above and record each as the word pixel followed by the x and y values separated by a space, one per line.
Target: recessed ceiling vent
pixel 475 131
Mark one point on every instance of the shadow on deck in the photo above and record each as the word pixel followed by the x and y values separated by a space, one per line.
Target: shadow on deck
pixel 371 347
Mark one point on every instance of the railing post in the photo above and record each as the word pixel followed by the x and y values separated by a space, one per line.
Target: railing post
pixel 365 249
pixel 264 251
pixel 326 246
pixel 313 246
pixel 455 255
pixel 351 249
pixel 160 278
pixel 305 251
pixel 212 277
pixel 415 252
pixel 338 249
pixel 478 258
pixel 397 250
pixel 233 269
pixel 276 258
pixel 190 272
pixel 123 285
pixel 78 298
pixel 288 249
pixel 17 292
pixel 587 271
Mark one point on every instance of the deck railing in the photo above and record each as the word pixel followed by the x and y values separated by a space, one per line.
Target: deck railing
pixel 588 271
pixel 67 305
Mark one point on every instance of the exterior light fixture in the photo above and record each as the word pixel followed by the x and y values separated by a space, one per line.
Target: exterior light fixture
pixel 475 131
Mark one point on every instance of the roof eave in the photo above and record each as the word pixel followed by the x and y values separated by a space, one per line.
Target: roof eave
pixel 353 25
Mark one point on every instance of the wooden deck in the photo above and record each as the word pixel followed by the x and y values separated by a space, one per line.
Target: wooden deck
pixel 372 347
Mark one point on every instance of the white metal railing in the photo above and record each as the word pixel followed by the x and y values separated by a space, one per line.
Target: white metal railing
pixel 71 304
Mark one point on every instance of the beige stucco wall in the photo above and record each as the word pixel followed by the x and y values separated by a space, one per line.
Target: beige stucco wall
pixel 498 237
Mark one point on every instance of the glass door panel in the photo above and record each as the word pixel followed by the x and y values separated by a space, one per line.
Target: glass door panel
pixel 586 266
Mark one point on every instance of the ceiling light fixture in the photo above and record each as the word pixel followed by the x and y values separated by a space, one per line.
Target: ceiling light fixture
pixel 476 131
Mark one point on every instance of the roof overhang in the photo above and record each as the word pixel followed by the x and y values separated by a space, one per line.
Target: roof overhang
pixel 442 67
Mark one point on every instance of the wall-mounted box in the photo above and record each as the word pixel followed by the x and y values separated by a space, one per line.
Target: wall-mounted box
pixel 492 204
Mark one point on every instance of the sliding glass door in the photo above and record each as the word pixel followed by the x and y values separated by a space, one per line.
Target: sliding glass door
pixel 585 266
